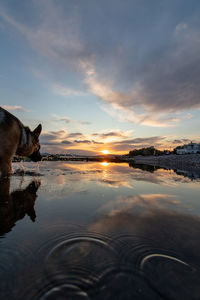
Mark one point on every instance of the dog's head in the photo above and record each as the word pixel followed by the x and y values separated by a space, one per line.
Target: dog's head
pixel 36 156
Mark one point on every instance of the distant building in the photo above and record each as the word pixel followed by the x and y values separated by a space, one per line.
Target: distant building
pixel 190 148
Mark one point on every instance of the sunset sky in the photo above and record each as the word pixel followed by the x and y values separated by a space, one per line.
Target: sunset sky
pixel 102 74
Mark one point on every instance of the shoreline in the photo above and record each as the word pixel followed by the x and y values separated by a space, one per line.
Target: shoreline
pixel 185 162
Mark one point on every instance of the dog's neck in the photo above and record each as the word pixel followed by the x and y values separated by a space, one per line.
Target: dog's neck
pixel 24 139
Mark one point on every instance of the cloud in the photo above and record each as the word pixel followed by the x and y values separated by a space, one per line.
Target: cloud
pixel 82 141
pixel 137 143
pixel 59 133
pixel 66 142
pixel 87 142
pixel 181 141
pixel 65 91
pixel 48 139
pixel 143 73
pixel 59 118
pixel 74 134
pixel 53 137
pixel 97 143
pixel 180 27
pixel 166 82
pixel 113 134
pixel 171 84
pixel 59 139
pixel 66 120
pixel 84 123
pixel 124 106
pixel 128 147
pixel 189 116
pixel 14 108
pixel 55 37
pixel 147 140
pixel 84 152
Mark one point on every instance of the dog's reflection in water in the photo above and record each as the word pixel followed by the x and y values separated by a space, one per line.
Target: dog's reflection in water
pixel 16 205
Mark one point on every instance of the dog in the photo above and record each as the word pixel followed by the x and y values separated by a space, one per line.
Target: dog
pixel 17 139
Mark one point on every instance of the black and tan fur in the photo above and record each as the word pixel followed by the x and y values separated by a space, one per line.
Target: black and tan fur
pixel 17 139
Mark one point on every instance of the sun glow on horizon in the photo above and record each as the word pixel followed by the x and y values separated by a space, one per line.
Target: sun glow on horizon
pixel 105 164
pixel 105 151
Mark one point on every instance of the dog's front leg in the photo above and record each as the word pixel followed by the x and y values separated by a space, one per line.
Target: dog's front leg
pixel 5 168
pixel 4 190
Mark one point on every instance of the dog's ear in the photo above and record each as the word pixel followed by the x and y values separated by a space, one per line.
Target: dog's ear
pixel 37 130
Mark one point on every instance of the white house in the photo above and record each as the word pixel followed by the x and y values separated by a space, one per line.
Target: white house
pixel 189 149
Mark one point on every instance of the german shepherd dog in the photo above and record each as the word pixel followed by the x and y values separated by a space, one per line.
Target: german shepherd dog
pixel 17 139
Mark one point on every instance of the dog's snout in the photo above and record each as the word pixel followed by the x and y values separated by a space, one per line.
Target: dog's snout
pixel 36 156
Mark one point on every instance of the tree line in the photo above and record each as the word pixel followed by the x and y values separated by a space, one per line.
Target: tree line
pixel 149 151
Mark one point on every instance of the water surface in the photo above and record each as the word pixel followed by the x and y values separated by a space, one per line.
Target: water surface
pixel 99 231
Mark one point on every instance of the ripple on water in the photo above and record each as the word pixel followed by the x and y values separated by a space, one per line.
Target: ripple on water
pixel 124 284
pixel 78 264
pixel 12 262
pixel 69 266
pixel 64 292
pixel 171 276
pixel 80 259
pixel 132 248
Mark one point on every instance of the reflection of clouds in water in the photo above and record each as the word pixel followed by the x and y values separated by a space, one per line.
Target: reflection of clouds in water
pixel 164 244
pixel 115 183
pixel 116 175
pixel 140 203
pixel 60 180
pixel 165 229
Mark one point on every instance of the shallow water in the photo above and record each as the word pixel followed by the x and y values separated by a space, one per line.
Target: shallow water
pixel 99 231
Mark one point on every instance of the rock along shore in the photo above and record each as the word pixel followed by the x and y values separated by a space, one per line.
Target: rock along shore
pixel 186 162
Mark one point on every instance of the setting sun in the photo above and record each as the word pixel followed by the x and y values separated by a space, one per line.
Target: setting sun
pixel 105 151
pixel 105 164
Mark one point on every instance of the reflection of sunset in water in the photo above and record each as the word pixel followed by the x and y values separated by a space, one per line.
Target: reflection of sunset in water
pixel 68 177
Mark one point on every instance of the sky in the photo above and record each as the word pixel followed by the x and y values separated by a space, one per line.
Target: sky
pixel 102 75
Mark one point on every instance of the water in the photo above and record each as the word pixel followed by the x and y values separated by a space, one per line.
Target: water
pixel 99 231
